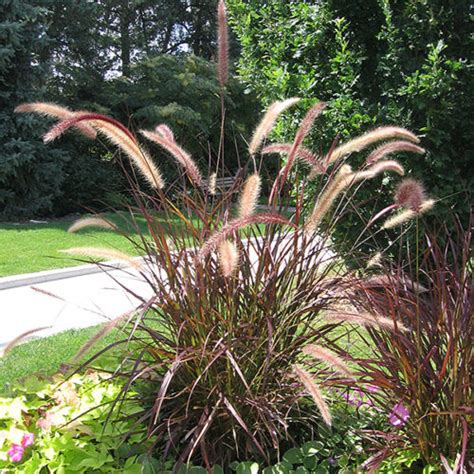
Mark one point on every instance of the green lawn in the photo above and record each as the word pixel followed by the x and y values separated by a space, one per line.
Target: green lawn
pixel 26 248
pixel 45 356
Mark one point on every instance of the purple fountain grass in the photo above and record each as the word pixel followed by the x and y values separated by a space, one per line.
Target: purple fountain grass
pixel 228 258
pixel 85 222
pixel 165 132
pixel 369 138
pixel 181 156
pixel 104 253
pixel 49 109
pixel 393 147
pixel 410 194
pixel 100 334
pixel 236 303
pixel 268 121
pixel 425 370
pixel 212 184
pixel 119 135
pixel 366 319
pixel 222 44
pixel 235 224
pixel 17 340
pixel 329 357
pixel 380 167
pixel 249 196
pixel 343 178
pixel 313 389
pixel 408 214
pixel 302 153
pixel 301 133
pixel 79 117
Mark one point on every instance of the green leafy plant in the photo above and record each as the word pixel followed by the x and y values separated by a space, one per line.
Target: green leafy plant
pixel 371 61
pixel 58 426
pixel 236 320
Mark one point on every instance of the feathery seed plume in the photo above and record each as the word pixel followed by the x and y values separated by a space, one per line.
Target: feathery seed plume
pixel 325 355
pixel 268 121
pixel 366 319
pixel 104 253
pixel 369 138
pixel 392 147
pixel 214 240
pixel 388 280
pixel 374 261
pixel 141 159
pixel 165 132
pixel 212 184
pixel 313 389
pixel 79 117
pixel 408 214
pixel 116 133
pixel 228 257
pixel 102 332
pixel 91 222
pixel 303 130
pixel 4 351
pixel 302 153
pixel 222 43
pixel 380 167
pixel 56 111
pixel 339 183
pixel 249 197
pixel 410 194
pixel 181 156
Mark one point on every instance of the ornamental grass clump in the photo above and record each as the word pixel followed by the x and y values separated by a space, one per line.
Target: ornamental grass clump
pixel 237 326
pixel 424 374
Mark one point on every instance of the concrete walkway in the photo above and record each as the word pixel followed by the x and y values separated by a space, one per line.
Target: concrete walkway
pixel 85 297
pixel 77 297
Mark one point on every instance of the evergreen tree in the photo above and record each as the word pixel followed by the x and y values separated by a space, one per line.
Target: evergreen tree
pixel 30 174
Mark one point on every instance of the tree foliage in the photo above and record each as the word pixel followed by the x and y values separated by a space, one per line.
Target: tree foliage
pixel 122 56
pixel 374 62
pixel 30 175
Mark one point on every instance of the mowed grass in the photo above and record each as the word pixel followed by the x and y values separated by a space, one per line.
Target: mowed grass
pixel 45 356
pixel 26 248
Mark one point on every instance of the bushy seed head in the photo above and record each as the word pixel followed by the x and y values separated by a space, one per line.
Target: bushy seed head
pixel 228 258
pixel 222 43
pixel 410 194
pixel 268 121
pixel 91 222
pixel 249 196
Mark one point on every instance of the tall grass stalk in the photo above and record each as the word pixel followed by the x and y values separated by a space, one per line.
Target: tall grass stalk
pixel 236 299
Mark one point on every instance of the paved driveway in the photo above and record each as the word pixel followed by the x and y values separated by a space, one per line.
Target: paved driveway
pixel 86 300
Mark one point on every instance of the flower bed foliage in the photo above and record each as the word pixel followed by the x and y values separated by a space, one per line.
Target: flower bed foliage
pixel 60 426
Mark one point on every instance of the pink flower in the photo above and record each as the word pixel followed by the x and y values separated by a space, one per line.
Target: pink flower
pixel 28 440
pixel 16 452
pixel 399 415
pixel 48 421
